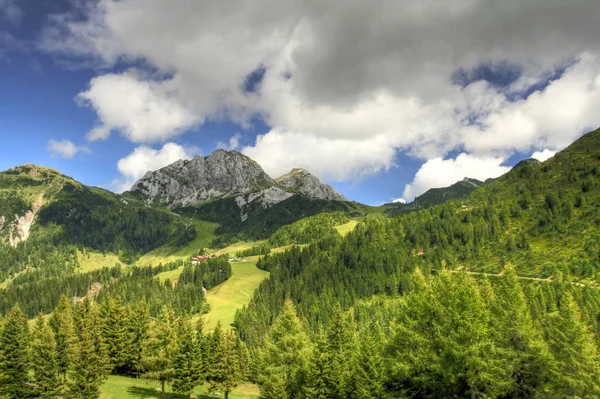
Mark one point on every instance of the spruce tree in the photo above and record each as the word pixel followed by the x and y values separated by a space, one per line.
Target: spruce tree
pixel 575 372
pixel 368 367
pixel 526 354
pixel 284 357
pixel 138 333
pixel 48 383
pixel 90 366
pixel 187 366
pixel 63 326
pixel 225 371
pixel 115 332
pixel 14 356
pixel 160 348
pixel 202 343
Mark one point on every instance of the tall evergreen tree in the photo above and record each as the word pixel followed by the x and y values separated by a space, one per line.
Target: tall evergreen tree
pixel 225 371
pixel 91 365
pixel 369 369
pixel 187 364
pixel 160 348
pixel 575 372
pixel 48 383
pixel 138 333
pixel 285 356
pixel 115 332
pixel 525 351
pixel 63 326
pixel 335 356
pixel 14 356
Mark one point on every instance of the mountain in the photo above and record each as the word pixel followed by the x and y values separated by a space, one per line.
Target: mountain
pixel 23 192
pixel 226 175
pixel 303 182
pixel 436 196
pixel 219 175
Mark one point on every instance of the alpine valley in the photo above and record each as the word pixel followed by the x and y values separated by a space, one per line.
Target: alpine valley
pixel 210 276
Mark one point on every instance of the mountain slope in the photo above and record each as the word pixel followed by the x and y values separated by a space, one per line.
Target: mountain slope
pixel 23 192
pixel 436 196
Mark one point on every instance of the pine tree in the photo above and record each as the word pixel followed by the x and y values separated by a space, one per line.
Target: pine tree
pixel 575 372
pixel 14 356
pixel 48 383
pixel 63 326
pixel 369 367
pixel 285 356
pixel 334 355
pixel 160 348
pixel 91 365
pixel 525 351
pixel 138 333
pixel 202 343
pixel 187 367
pixel 115 332
pixel 225 371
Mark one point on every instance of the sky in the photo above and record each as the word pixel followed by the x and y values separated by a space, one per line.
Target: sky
pixel 383 99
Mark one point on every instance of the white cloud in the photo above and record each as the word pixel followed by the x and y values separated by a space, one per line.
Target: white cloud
pixel 332 159
pixel 440 172
pixel 399 201
pixel 64 149
pixel 144 159
pixel 543 155
pixel 347 84
pixel 233 144
pixel 144 111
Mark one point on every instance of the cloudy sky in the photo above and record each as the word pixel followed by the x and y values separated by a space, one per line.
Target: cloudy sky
pixel 383 99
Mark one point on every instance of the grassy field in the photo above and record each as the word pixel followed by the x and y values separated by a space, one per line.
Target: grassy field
pixel 117 387
pixel 95 260
pixel 234 293
pixel 239 246
pixel 346 227
pixel 205 233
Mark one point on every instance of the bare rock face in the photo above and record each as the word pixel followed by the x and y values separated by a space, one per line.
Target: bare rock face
pixel 227 174
pixel 222 174
pixel 20 228
pixel 303 182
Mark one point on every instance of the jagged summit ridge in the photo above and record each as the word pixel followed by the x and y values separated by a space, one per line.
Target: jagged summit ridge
pixel 203 178
pixel 226 174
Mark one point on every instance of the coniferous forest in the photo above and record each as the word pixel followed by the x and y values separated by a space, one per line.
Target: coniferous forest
pixel 491 296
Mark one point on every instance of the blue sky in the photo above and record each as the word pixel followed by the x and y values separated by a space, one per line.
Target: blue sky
pixel 377 115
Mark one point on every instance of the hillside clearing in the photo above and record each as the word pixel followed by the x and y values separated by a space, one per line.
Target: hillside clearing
pixel 346 228
pixel 226 298
pixel 117 387
pixel 205 233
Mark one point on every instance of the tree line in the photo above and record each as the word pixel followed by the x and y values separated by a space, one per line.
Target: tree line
pixel 71 354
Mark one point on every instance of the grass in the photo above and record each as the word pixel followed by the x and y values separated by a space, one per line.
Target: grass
pixel 117 387
pixel 91 261
pixel 226 298
pixel 171 274
pixel 239 246
pixel 205 232
pixel 346 228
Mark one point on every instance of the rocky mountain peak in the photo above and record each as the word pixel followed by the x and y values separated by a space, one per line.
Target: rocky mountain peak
pixel 303 182
pixel 203 178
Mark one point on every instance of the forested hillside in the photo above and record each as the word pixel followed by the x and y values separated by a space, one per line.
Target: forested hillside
pixel 491 296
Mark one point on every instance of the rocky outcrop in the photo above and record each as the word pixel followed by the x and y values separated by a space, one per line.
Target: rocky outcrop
pixel 303 182
pixel 263 198
pixel 222 174
pixel 21 227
